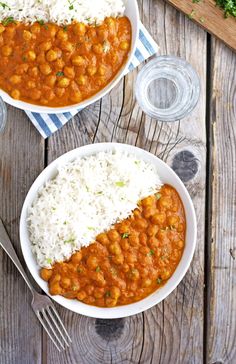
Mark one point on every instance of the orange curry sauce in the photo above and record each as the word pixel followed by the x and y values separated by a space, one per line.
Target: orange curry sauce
pixel 50 65
pixel 128 262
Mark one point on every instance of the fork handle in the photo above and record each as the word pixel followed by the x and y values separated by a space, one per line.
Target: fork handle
pixel 8 247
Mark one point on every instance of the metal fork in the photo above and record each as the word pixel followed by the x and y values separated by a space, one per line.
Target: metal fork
pixel 41 304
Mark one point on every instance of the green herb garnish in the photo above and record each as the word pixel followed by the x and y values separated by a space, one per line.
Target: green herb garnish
pixel 125 235
pixel 120 184
pixel 108 294
pixel 98 269
pixel 150 253
pixel 60 73
pixel 8 20
pixel 41 22
pixel 5 6
pixel 72 240
pixel 159 280
pixel 158 196
pixel 196 1
pixel 191 15
pixel 229 7
pixel 90 228
pixel 49 260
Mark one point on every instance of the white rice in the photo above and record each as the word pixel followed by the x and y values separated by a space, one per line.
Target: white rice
pixel 61 12
pixel 86 198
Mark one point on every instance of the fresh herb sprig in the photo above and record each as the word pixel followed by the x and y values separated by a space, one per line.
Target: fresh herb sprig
pixel 229 7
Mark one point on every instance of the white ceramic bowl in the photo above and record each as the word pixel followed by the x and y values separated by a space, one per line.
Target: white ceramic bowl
pixel 132 13
pixel 167 176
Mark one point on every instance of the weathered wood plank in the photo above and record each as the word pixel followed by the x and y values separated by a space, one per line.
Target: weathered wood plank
pixel 21 160
pixel 173 330
pixel 222 323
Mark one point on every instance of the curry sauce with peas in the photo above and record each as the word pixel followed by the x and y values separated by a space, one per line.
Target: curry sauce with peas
pixel 51 65
pixel 128 262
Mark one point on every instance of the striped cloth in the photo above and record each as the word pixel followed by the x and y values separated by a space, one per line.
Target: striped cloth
pixel 47 124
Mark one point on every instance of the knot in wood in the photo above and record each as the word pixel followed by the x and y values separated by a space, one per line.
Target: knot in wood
pixel 109 329
pixel 185 165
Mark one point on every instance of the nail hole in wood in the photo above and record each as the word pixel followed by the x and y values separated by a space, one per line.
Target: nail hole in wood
pixel 185 164
pixel 109 329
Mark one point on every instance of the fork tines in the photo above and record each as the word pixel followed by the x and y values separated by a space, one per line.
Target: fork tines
pixel 54 327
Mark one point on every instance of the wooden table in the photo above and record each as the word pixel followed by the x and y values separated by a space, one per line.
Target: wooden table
pixel 197 322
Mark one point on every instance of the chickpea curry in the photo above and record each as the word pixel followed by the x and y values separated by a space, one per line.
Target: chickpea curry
pixel 128 262
pixel 51 65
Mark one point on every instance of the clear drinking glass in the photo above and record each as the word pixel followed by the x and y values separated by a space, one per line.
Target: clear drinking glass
pixel 3 115
pixel 167 88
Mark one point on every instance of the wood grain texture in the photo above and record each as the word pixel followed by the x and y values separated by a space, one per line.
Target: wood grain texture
pixel 222 323
pixel 21 160
pixel 210 17
pixel 173 330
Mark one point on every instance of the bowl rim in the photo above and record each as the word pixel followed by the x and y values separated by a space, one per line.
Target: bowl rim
pixel 25 106
pixel 151 300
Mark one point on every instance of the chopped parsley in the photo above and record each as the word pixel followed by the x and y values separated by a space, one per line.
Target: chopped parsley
pixel 125 235
pixel 158 196
pixel 8 20
pixel 151 252
pixel 120 184
pixel 108 294
pixel 60 73
pixel 5 6
pixel 98 269
pixel 49 260
pixel 196 1
pixel 41 22
pixel 159 280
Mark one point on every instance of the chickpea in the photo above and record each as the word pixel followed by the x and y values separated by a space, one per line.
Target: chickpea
pixel 30 56
pixel 50 80
pixel 35 28
pixel 89 289
pixel 143 238
pixel 59 91
pixel 1 40
pixel 140 224
pixel 30 84
pixel 2 28
pixel 137 213
pixel 35 94
pixel 45 69
pixel 180 244
pixel 45 274
pixel 124 244
pixel 76 96
pixel 78 61
pixel 133 286
pixel 109 21
pixel 59 64
pixel 173 221
pixel 27 35
pixel 158 219
pixel 79 29
pixel 81 295
pixel 65 282
pixel 118 259
pixel 99 292
pixel 101 70
pixel 99 278
pixel 97 48
pixel 52 30
pixel 44 101
pixel 180 228
pixel 147 282
pixel 114 248
pixel 144 250
pixel 124 46
pixel 148 201
pixel 15 94
pixel 55 278
pixel 148 212
pixel 125 267
pixel 67 46
pixel 110 302
pixel 45 46
pixel 166 274
pixel 69 72
pixel 134 240
pixel 131 258
pixel 152 230
pixel 81 80
pixel 113 235
pixel 55 289
pixel 63 82
pixel 92 262
pixel 10 33
pixel 15 79
pixel 115 292
pixel 62 35
pixel 103 239
pixel 49 95
pixel 102 33
pixel 51 55
pixel 165 202
pixel 21 69
pixel 6 50
pixel 91 70
pixel 76 258
pixel 41 58
pixel 33 72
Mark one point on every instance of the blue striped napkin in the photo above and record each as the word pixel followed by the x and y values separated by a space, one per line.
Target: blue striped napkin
pixel 47 124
